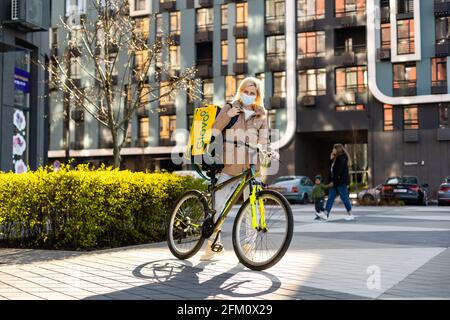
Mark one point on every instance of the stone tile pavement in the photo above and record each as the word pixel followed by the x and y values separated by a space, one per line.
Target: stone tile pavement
pixel 386 253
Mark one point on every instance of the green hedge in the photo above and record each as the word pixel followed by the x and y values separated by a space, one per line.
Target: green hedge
pixel 85 209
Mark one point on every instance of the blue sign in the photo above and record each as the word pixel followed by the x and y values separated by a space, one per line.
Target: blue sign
pixel 22 80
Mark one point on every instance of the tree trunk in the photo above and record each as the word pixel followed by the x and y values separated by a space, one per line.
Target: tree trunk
pixel 116 149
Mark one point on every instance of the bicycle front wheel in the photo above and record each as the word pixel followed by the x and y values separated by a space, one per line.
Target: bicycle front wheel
pixel 261 249
pixel 184 234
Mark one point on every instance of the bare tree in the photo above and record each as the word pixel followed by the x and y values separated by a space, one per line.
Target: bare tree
pixel 122 71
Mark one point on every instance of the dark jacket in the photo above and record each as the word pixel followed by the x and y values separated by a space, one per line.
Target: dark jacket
pixel 339 171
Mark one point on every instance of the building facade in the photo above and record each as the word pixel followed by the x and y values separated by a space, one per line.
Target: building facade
pixel 351 71
pixel 24 106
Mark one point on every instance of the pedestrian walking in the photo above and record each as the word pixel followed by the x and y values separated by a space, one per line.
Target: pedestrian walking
pixel 318 195
pixel 338 182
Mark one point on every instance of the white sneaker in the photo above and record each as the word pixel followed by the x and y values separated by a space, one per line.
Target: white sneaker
pixel 349 217
pixel 322 216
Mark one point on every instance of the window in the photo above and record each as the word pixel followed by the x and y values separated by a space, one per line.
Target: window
pixel 208 91
pixel 224 16
pixel 439 72
pixel 275 10
pixel 142 27
pixel 54 38
pixel 167 126
pixel 144 129
pixel 144 98
pixel 230 90
pixel 388 117
pixel 241 14
pixel 174 57
pixel 279 84
pixel 404 75
pixel 443 116
pixel 349 7
pixel 275 46
pixel 75 7
pixel 312 82
pixel 405 6
pixel 442 29
pixel 139 5
pixel 386 36
pixel 75 68
pixel 311 44
pixel 241 50
pixel 351 107
pixel 310 10
pixel 141 61
pixel 224 46
pixel 205 19
pixel 405 36
pixel 159 25
pixel 410 117
pixel 352 79
pixel 175 27
pixel 164 92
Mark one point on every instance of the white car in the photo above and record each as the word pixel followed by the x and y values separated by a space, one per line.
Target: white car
pixel 370 196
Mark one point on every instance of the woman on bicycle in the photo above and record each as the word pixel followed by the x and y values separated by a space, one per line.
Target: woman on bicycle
pixel 251 127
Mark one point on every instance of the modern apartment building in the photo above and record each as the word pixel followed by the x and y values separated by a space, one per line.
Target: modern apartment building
pixel 23 105
pixel 351 71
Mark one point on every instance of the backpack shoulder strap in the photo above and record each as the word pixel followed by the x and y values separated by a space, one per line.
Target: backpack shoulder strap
pixel 232 121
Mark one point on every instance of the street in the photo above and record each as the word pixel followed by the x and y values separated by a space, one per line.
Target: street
pixel 386 253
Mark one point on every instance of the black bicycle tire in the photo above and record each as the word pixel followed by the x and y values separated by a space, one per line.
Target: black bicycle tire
pixel 287 241
pixel 197 247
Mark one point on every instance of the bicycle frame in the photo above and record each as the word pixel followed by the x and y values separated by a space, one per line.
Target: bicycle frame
pixel 249 178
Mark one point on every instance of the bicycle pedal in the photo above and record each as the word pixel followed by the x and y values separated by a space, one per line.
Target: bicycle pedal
pixel 217 248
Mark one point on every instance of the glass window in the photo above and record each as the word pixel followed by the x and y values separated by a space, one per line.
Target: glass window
pixel 404 75
pixel 349 7
pixel 410 117
pixel 224 16
pixel 230 89
pixel 275 46
pixel 442 29
pixel 439 72
pixel 167 126
pixel 405 36
pixel 311 44
pixel 405 6
pixel 275 10
pixel 388 117
pixel 144 129
pixel 142 27
pixel 241 50
pixel 386 36
pixel 159 24
pixel 279 84
pixel 205 19
pixel 312 82
pixel 443 116
pixel 174 57
pixel 352 79
pixel 351 107
pixel 208 91
pixel 139 5
pixel 175 23
pixel 241 14
pixel 310 10
pixel 224 46
pixel 164 92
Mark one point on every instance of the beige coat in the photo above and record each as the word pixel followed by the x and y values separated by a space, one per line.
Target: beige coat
pixel 254 130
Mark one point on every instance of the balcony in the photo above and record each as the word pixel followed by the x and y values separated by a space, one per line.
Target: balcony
pixel 275 62
pixel 384 54
pixel 441 8
pixel 307 63
pixel 307 101
pixel 205 69
pixel 166 143
pixel 351 18
pixel 404 88
pixel 223 34
pixel 411 136
pixel 276 102
pixel 351 95
pixel 240 31
pixel 443 48
pixel 443 134
pixel 27 16
pixel 439 87
pixel 142 112
pixel 77 115
pixel 206 3
pixel 204 34
pixel 348 56
pixel 240 67
pixel 274 26
pixel 142 143
pixel 168 5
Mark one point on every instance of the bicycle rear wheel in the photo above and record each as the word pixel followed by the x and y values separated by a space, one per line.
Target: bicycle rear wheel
pixel 259 250
pixel 184 234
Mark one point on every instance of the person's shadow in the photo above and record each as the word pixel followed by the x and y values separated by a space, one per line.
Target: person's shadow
pixel 181 279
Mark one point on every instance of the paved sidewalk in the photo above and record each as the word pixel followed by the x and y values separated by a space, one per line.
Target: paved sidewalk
pixel 386 253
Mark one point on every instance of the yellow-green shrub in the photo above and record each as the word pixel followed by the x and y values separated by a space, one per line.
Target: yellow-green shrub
pixel 85 209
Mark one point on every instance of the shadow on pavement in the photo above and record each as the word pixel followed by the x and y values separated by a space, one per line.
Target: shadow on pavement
pixel 182 280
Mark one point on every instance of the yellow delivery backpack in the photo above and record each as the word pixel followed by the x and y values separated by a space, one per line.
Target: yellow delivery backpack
pixel 201 156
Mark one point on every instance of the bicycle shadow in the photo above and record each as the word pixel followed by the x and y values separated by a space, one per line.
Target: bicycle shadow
pixel 182 280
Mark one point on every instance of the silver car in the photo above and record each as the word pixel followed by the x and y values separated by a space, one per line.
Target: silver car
pixel 370 196
pixel 444 192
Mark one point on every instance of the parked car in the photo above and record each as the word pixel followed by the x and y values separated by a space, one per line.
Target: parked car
pixel 444 192
pixel 294 188
pixel 406 189
pixel 370 196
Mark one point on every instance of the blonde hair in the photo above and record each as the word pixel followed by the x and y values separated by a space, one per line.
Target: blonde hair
pixel 249 81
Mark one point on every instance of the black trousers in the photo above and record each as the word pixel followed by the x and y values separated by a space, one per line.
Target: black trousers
pixel 319 204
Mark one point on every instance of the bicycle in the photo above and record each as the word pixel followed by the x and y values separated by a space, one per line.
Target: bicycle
pixel 192 221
